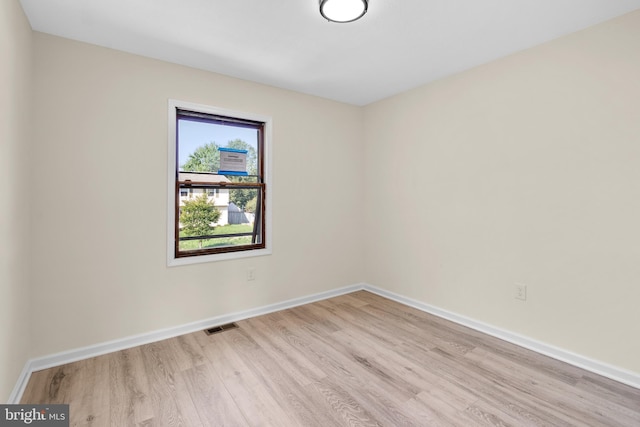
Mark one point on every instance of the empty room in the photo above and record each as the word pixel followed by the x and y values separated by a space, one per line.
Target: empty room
pixel 320 212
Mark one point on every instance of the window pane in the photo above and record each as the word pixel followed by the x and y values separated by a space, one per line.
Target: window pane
pixel 226 219
pixel 199 143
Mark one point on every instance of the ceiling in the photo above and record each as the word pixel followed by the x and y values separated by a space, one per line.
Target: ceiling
pixel 396 46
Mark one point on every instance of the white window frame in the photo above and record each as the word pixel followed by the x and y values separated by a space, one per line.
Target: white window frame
pixel 172 260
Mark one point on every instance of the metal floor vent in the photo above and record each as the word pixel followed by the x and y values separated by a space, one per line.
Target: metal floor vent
pixel 220 328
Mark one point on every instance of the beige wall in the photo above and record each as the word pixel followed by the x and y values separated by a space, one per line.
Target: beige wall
pixel 15 102
pixel 524 170
pixel 100 256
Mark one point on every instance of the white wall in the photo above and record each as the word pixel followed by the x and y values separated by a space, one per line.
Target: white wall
pixel 15 170
pixel 99 257
pixel 526 170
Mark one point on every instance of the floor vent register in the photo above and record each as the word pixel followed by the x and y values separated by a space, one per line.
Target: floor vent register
pixel 221 328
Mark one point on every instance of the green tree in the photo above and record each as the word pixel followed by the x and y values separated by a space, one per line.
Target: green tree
pixel 197 215
pixel 251 205
pixel 205 158
pixel 242 196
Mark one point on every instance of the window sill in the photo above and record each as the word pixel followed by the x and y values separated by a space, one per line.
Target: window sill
pixel 176 262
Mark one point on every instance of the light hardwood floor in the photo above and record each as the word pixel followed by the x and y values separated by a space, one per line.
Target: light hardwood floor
pixel 353 360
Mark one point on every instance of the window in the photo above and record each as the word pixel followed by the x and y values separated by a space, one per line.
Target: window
pixel 220 159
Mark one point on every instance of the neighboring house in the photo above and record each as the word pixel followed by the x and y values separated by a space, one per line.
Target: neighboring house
pixel 219 196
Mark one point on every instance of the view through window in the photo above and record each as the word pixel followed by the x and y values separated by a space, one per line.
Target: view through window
pixel 220 185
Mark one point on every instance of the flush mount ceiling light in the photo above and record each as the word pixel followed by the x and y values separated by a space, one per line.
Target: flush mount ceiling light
pixel 343 10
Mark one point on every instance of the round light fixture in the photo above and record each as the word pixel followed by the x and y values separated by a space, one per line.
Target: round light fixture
pixel 343 10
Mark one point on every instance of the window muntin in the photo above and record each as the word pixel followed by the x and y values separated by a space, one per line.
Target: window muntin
pixel 239 226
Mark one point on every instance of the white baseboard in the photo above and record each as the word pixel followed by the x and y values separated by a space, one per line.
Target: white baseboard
pixel 618 374
pixel 74 355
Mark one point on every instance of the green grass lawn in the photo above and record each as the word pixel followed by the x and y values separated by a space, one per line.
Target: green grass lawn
pixel 223 241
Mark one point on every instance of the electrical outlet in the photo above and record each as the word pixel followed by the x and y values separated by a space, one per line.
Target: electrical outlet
pixel 251 274
pixel 520 291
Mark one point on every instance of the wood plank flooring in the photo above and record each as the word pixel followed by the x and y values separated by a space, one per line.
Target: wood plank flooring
pixel 353 360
